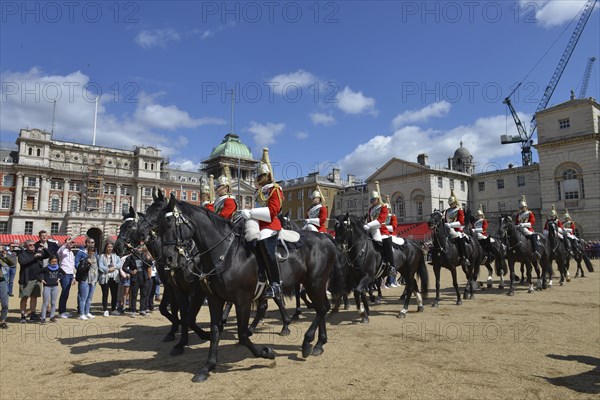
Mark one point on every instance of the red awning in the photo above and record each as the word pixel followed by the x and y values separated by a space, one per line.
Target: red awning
pixel 6 239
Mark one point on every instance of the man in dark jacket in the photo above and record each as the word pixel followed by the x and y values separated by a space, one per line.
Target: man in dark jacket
pixel 49 244
pixel 31 261
pixel 136 265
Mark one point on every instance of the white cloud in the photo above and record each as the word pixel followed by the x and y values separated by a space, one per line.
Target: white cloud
pixel 292 82
pixel 301 135
pixel 318 118
pixel 75 112
pixel 205 34
pixel 185 165
pixel 433 110
pixel 264 134
pixel 481 138
pixel 551 13
pixel 355 102
pixel 156 37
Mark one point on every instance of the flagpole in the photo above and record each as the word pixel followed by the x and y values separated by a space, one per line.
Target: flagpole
pixel 95 120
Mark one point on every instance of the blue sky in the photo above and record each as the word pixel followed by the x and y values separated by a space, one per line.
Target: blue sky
pixel 348 84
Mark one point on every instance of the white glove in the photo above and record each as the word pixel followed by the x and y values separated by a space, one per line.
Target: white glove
pixel 478 229
pixel 448 225
pixel 314 221
pixel 525 225
pixel 455 224
pixel 246 214
pixel 366 227
pixel 373 224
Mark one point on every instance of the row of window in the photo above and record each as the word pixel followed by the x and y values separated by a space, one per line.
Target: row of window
pixel 500 183
pixel 441 183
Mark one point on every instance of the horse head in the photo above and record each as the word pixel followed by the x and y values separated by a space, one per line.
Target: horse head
pixel 435 220
pixel 127 238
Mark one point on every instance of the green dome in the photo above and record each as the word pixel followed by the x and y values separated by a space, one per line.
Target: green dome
pixel 232 147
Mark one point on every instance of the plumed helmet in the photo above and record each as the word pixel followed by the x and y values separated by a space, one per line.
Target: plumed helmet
pixel 480 211
pixel 387 202
pixel 523 202
pixel 315 194
pixel 264 167
pixel 552 214
pixel 205 189
pixel 222 181
pixel 374 195
pixel 567 216
pixel 452 199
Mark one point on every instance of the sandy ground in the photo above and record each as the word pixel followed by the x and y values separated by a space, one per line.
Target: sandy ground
pixel 540 345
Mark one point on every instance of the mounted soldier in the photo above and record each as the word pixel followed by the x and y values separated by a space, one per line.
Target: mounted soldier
pixel 316 216
pixel 525 221
pixel 225 204
pixel 480 227
pixel 569 227
pixel 263 225
pixel 376 227
pixel 392 221
pixel 454 217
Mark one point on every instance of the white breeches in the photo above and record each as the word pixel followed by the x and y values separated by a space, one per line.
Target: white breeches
pixel 455 234
pixel 376 234
pixel 310 227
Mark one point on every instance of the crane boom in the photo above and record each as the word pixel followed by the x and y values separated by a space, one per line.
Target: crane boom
pixel 586 77
pixel 585 15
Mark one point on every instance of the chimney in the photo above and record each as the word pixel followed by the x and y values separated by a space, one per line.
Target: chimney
pixel 336 175
pixel 450 166
pixel 423 159
pixel 351 180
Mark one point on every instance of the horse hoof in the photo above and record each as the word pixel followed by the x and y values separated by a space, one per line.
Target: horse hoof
pixel 568 279
pixel 285 332
pixel 500 287
pixel 200 378
pixel 510 293
pixel 435 304
pixel 364 320
pixel 307 349
pixel 318 350
pixel 562 284
pixel 267 352
pixel 176 351
pixel 522 281
pixel 530 290
pixel 490 285
pixel 401 315
pixel 420 308
pixel 403 297
pixel 296 315
pixel 377 301
pixel 459 302
pixel 169 338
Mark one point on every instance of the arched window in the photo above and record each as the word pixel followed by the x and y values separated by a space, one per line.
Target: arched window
pixel 108 207
pixel 55 203
pixel 125 207
pixel 569 185
pixel 39 152
pixel 74 203
pixel 30 151
pixel 398 207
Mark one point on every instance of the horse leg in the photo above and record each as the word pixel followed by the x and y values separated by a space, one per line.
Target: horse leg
pixel 436 271
pixel 346 301
pixel 261 309
pixel 285 318
pixel 242 311
pixel 359 306
pixel 511 273
pixel 169 299
pixel 455 284
pixel 197 300
pixel 522 274
pixel 215 306
pixel 321 307
pixel 490 279
pixel 184 305
pixel 420 306
pixel 409 287
pixel 226 311
pixel 539 273
pixel 365 302
pixel 529 282
pixel 298 311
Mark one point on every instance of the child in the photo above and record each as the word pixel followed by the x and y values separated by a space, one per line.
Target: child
pixel 51 276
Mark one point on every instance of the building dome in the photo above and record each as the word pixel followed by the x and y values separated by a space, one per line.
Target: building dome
pixel 231 146
pixel 462 152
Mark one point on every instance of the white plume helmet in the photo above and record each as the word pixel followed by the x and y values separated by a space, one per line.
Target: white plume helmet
pixel 523 202
pixel 553 212
pixel 480 211
pixel 452 199
pixel 315 194
pixel 567 216
pixel 205 189
pixel 264 167
pixel 222 181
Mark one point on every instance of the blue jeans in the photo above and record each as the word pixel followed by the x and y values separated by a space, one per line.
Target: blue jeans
pixel 65 284
pixel 84 297
pixel 4 300
pixel 12 272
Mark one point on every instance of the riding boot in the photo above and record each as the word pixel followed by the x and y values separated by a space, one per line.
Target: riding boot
pixel 534 246
pixel 267 248
pixel 462 244
pixel 388 253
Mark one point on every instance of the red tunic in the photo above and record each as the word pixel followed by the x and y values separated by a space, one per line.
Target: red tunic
pixel 558 222
pixel 210 207
pixel 229 207
pixel 380 214
pixel 322 219
pixel 526 216
pixel 394 224
pixel 453 215
pixel 272 197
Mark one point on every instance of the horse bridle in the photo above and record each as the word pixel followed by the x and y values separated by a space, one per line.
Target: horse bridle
pixel 347 226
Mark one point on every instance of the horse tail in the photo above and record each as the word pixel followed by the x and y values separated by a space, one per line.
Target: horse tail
pixel 587 262
pixel 337 278
pixel 423 275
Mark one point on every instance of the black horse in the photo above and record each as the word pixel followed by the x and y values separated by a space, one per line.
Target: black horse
pixel 181 288
pixel 445 254
pixel 580 255
pixel 518 249
pixel 496 253
pixel 228 271
pixel 557 251
pixel 364 264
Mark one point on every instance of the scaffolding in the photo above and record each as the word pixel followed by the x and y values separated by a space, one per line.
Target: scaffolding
pixel 95 187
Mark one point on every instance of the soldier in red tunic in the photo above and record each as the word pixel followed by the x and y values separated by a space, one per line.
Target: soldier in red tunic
pixel 569 230
pixel 480 227
pixel 454 216
pixel 392 221
pixel 269 198
pixel 375 225
pixel 525 220
pixel 316 216
pixel 553 217
pixel 225 205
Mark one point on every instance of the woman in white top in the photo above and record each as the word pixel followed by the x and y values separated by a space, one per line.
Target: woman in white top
pixel 109 281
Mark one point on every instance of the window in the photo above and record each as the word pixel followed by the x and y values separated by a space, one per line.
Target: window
pixel 152 166
pixel 147 191
pixel 56 184
pixel 500 183
pixel 75 186
pixel 55 204
pixel 501 206
pixel 194 196
pixel 108 207
pixel 110 189
pixel 31 181
pixel 570 184
pixel 3 226
pixel 30 151
pixel 183 195
pixel 5 203
pixel 481 186
pixel 38 152
pixel 440 182
pixel 29 203
pixel 462 186
pixel 125 190
pixel 29 227
pixel 248 202
pixel 441 205
pixel 452 184
pixel 558 190
pixel 299 213
pixel 145 165
pixel 183 179
pixel 299 194
pixel 399 207
pixel 419 207
pixel 8 180
pixel 520 180
pixel 54 228
pixel 564 123
pixel 193 180
pixel 74 204
pixel 125 207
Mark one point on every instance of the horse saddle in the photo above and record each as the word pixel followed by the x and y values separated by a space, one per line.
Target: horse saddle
pixel 289 236
pixel 397 242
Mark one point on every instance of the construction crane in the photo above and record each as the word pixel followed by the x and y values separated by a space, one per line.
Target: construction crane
pixel 524 137
pixel 586 77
